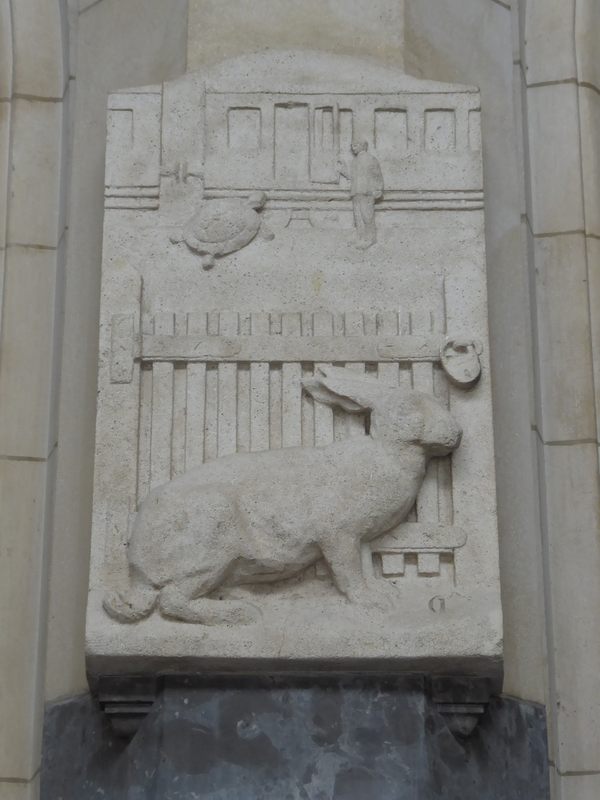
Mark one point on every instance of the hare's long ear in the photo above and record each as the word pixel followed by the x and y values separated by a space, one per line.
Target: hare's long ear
pixel 336 386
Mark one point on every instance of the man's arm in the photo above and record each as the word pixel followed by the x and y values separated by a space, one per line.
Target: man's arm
pixel 343 170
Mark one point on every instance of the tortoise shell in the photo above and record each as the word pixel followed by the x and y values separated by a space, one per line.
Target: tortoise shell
pixel 222 226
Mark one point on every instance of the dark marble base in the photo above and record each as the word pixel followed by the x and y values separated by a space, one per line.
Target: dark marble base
pixel 346 739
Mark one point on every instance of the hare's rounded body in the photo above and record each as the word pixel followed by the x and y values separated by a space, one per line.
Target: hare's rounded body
pixel 263 517
pixel 269 515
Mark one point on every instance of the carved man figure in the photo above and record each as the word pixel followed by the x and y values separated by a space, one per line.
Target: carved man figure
pixel 366 187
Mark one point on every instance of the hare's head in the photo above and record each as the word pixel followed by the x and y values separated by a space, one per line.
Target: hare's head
pixel 398 416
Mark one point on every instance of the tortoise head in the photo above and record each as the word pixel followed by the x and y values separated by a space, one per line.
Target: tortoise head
pixel 256 200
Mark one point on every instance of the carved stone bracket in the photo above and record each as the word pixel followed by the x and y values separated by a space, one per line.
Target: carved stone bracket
pixel 126 700
pixel 462 701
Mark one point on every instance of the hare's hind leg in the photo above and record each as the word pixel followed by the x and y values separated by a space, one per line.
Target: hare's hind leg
pixel 184 601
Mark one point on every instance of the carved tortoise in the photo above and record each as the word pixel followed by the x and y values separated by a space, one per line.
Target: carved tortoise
pixel 223 226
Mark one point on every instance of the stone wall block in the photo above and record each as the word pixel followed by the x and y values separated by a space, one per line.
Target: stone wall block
pixel 20 791
pixel 578 787
pixel 66 142
pixel 6 65
pixel 549 41
pixel 587 24
pixel 28 351
pixel 555 156
pixel 22 492
pixel 593 256
pixel 5 120
pixel 40 61
pixel 589 109
pixel 572 524
pixel 34 214
pixel 566 390
pixel 522 581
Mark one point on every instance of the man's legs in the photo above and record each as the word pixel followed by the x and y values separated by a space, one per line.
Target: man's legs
pixel 364 216
pixel 359 224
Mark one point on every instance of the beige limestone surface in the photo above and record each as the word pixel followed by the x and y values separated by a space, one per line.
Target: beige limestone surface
pixel 206 358
pixel 466 42
pixel 112 45
pixel 374 30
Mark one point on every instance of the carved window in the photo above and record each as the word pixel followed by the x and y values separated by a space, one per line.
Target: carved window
pixel 391 130
pixel 440 129
pixel 243 129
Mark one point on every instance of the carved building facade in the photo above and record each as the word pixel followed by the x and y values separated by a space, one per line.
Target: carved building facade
pixel 339 488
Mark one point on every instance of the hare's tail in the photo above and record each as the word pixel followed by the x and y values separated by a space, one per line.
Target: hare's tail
pixel 131 605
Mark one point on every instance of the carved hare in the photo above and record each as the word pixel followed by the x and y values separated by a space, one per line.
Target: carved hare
pixel 263 517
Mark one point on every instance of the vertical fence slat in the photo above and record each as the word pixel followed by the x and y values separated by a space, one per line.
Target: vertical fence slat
pixel 422 374
pixel 145 423
pixel 354 326
pixel 275 420
pixel 359 324
pixel 275 438
pixel 196 399
pixel 179 407
pixel 445 501
pixel 259 390
pixel 243 409
pixel 211 412
pixel 162 408
pixel 291 387
pixel 323 326
pixel 243 393
pixel 308 411
pixel 387 325
pixel 404 370
pixel 211 406
pixel 227 391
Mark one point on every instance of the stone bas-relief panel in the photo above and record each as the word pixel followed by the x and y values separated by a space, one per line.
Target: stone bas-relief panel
pixel 294 464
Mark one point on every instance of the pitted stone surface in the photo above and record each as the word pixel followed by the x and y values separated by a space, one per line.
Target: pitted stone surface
pixel 294 455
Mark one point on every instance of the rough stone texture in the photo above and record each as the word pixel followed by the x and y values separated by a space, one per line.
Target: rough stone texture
pixel 268 740
pixel 579 787
pixel 23 495
pixel 21 791
pixel 113 45
pixel 32 180
pixel 370 184
pixel 220 29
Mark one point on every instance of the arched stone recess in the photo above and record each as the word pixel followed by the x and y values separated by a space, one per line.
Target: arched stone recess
pixel 33 96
